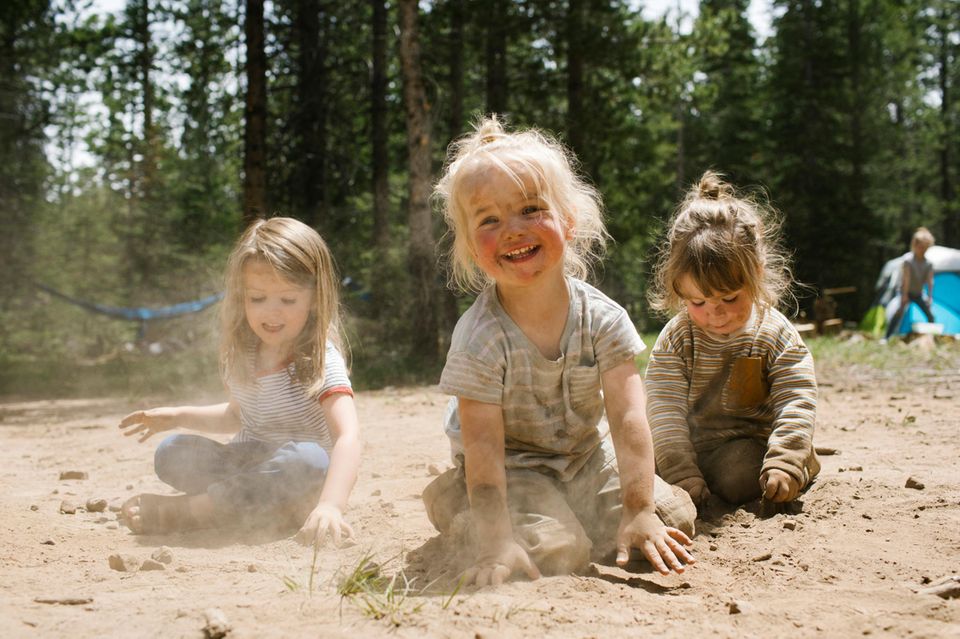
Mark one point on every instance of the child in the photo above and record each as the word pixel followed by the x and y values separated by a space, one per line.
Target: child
pixel 527 364
pixel 297 448
pixel 731 384
pixel 917 271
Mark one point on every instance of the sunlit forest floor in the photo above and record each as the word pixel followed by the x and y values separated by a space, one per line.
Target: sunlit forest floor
pixel 852 558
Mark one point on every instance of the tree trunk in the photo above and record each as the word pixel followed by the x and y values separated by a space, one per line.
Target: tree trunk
pixel 575 26
pixel 378 119
pixel 424 314
pixel 951 218
pixel 255 117
pixel 455 123
pixel 311 116
pixel 496 56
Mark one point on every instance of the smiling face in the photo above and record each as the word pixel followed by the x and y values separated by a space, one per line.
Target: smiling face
pixel 276 309
pixel 515 238
pixel 720 313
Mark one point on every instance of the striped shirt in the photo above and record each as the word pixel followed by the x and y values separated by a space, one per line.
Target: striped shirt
pixel 276 408
pixel 551 408
pixel 692 392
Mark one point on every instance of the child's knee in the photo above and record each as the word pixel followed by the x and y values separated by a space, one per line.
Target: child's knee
pixel 305 458
pixel 677 510
pixel 167 458
pixel 738 486
pixel 556 549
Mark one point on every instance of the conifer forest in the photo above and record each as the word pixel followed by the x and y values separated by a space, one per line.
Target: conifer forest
pixel 136 143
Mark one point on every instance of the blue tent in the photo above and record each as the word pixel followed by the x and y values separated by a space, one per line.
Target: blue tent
pixel 946 290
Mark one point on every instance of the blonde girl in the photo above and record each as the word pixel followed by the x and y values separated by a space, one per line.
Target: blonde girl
pixel 296 449
pixel 534 483
pixel 731 385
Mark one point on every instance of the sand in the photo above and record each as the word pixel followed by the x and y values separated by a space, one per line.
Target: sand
pixel 851 559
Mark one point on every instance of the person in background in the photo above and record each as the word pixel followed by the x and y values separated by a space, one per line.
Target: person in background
pixel 916 273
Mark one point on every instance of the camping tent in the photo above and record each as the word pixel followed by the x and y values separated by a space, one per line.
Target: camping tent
pixel 946 293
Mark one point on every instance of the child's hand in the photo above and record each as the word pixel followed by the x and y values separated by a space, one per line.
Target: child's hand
pixel 149 422
pixel 696 487
pixel 493 567
pixel 778 486
pixel 323 519
pixel 661 545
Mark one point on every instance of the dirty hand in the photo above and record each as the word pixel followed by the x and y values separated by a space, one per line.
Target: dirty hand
pixel 496 565
pixel 661 545
pixel 778 486
pixel 149 422
pixel 321 520
pixel 696 487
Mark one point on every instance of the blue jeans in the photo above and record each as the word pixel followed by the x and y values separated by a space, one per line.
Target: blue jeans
pixel 920 301
pixel 256 481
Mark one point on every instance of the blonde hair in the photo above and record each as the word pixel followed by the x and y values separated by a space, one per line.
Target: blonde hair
pixel 529 153
pixel 298 254
pixel 725 242
pixel 922 236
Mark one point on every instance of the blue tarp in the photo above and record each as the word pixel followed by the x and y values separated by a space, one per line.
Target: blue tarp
pixel 142 313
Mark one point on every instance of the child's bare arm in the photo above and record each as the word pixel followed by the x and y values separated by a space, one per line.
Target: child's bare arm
pixel 639 526
pixel 341 415
pixel 482 429
pixel 217 418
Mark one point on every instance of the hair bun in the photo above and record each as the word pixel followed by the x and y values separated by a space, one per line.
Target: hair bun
pixel 490 129
pixel 712 187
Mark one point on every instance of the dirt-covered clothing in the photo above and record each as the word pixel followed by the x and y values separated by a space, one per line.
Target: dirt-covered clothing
pixel 705 390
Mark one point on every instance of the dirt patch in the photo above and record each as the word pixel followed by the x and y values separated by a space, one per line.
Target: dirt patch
pixel 856 557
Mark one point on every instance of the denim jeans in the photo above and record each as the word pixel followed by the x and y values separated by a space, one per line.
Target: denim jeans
pixel 255 481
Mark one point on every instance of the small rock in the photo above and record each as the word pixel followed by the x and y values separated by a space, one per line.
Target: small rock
pixel 375 493
pixel 765 556
pixel 48 542
pixel 914 483
pixel 713 546
pixel 855 468
pixel 34 507
pixel 112 526
pixel 96 505
pixel 152 564
pixel 737 607
pixel 73 474
pixel 826 450
pixel 129 486
pixel 252 568
pixel 115 507
pixel 124 563
pixel 64 601
pixel 162 554
pixel 217 625
pixel 103 519
pixel 182 569
pixel 68 507
pixel 790 524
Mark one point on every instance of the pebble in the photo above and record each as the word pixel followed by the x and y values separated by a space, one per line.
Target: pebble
pixel 790 524
pixel 216 626
pixel 96 505
pixel 48 542
pixel 124 563
pixel 737 607
pixel 376 493
pixel 162 554
pixel 252 568
pixel 826 450
pixel 112 526
pixel 73 474
pixel 68 507
pixel 152 564
pixel 914 483
pixel 713 546
pixel 34 507
pixel 115 507
pixel 765 556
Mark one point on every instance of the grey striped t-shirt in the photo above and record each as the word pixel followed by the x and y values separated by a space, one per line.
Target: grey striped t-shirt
pixel 551 409
pixel 276 408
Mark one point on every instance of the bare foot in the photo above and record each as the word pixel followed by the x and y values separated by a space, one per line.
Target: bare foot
pixel 148 514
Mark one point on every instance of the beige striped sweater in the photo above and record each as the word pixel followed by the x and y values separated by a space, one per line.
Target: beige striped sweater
pixel 698 397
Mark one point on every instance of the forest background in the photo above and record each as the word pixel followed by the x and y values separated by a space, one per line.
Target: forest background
pixel 135 146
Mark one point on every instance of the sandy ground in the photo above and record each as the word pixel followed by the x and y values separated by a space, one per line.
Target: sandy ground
pixel 851 559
